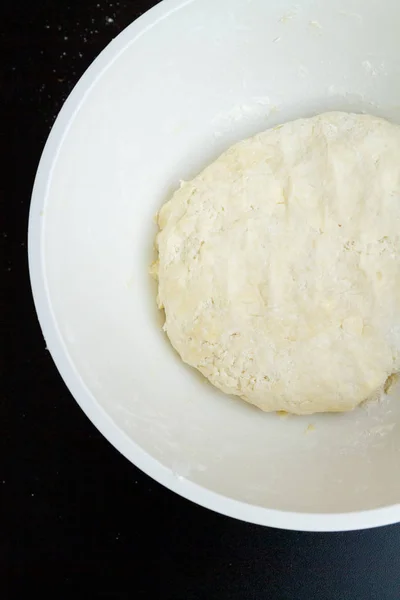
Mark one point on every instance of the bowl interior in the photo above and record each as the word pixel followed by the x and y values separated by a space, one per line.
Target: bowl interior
pixel 166 98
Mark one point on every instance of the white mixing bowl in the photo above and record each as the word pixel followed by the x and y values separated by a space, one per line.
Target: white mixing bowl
pixel 175 89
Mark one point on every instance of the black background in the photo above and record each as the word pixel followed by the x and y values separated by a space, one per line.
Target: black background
pixel 77 520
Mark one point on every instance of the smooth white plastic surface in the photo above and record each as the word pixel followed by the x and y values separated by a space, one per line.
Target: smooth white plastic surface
pixel 175 89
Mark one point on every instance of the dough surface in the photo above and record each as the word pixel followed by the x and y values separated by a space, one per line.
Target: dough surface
pixel 279 265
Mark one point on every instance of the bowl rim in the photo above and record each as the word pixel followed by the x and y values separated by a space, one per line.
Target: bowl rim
pixel 118 438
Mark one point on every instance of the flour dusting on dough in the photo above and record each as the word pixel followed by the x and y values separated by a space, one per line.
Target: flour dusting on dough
pixel 279 265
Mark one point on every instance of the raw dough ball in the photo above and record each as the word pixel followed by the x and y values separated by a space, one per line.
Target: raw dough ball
pixel 279 265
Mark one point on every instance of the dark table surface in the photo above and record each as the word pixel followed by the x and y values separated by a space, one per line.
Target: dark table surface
pixel 76 518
